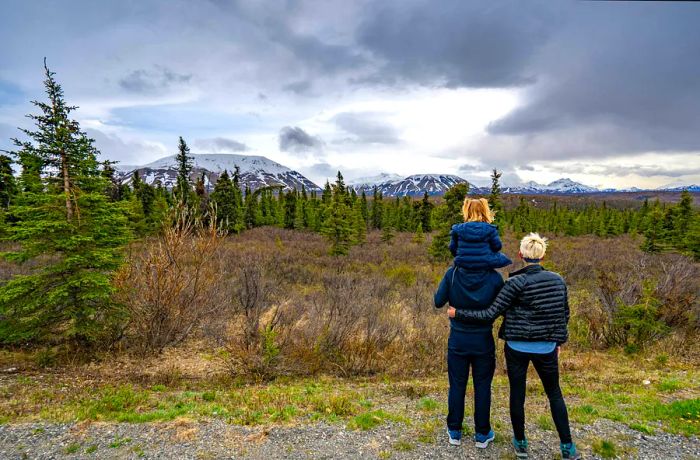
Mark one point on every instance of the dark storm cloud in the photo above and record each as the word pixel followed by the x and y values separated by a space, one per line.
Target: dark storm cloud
pixel 366 128
pixel 219 145
pixel 296 140
pixel 154 80
pixel 456 43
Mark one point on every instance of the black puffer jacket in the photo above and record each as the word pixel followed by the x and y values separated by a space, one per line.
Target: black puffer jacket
pixel 534 304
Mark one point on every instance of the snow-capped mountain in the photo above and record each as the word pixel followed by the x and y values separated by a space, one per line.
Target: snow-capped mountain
pixel 679 187
pixel 371 181
pixel 256 171
pixel 415 185
pixel 559 186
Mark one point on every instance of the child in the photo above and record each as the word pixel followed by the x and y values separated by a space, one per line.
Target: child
pixel 536 313
pixel 471 284
pixel 475 244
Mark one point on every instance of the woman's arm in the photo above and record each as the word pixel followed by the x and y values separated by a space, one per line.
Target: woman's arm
pixel 504 300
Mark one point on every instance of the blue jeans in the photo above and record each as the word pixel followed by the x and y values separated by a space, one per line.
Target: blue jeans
pixel 475 349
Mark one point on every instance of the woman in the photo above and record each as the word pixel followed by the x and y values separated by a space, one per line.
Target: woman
pixel 472 284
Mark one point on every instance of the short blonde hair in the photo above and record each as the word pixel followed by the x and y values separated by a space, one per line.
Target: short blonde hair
pixel 533 246
pixel 477 210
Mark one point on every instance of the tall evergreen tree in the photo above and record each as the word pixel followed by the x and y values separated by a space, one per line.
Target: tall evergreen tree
pixel 66 218
pixel 426 212
pixel 183 189
pixel 495 201
pixel 8 185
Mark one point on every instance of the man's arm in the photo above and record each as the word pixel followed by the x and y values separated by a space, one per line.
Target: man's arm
pixel 566 302
pixel 504 300
pixel 442 295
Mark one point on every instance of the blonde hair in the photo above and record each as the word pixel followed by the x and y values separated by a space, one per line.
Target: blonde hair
pixel 477 210
pixel 533 246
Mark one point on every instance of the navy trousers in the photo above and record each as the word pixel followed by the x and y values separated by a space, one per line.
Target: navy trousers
pixel 475 350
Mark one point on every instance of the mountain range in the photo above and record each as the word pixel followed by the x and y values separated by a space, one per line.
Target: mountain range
pixel 259 171
pixel 255 171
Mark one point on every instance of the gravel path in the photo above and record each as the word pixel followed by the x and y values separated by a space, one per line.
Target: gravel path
pixel 218 440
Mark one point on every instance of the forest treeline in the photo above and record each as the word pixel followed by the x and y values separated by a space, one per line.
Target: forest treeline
pixel 66 221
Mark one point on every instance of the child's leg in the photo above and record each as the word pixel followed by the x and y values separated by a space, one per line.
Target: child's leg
pixel 547 367
pixel 483 367
pixel 458 372
pixel 517 364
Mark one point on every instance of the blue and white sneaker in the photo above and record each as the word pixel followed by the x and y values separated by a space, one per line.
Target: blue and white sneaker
pixel 568 451
pixel 520 448
pixel 455 437
pixel 482 441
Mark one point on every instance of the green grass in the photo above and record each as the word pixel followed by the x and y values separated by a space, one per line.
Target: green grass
pixel 604 448
pixel 669 385
pixel 642 428
pixel 545 422
pixel 428 404
pixel 119 442
pixel 72 448
pixel 91 449
pixel 403 446
pixel 371 419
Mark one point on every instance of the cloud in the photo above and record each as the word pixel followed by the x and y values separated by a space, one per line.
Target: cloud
pixel 474 44
pixel 219 145
pixel 295 140
pixel 366 128
pixel 159 79
pixel 126 152
pixel 301 87
pixel 623 170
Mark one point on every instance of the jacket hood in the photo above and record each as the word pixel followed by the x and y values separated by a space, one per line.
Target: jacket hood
pixel 473 231
pixel 472 279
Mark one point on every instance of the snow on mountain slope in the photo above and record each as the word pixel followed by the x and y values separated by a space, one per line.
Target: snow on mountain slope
pixel 371 181
pixel 256 171
pixel 559 186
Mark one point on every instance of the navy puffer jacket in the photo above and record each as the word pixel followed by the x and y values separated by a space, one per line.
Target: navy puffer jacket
pixel 476 246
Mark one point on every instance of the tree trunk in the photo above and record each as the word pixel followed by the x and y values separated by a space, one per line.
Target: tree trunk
pixel 66 186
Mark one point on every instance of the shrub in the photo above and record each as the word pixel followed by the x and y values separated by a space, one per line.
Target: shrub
pixel 169 286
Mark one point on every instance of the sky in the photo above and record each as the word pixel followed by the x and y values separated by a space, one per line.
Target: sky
pixel 605 93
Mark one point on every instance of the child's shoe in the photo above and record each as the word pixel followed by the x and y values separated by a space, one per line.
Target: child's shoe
pixel 455 437
pixel 520 448
pixel 568 451
pixel 482 441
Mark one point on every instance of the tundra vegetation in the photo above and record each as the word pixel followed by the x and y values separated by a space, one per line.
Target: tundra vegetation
pixel 270 305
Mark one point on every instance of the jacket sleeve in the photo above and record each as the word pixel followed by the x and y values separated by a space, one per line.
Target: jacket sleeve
pixel 566 303
pixel 442 295
pixel 495 241
pixel 504 300
pixel 453 243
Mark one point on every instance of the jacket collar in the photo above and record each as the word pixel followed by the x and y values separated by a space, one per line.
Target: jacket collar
pixel 534 268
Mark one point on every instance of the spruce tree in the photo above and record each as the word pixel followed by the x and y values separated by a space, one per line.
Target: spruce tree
pixel 653 234
pixel 377 208
pixel 337 224
pixel 426 212
pixel 387 231
pixel 63 218
pixel 684 217
pixel 183 188
pixel 495 202
pixel 227 209
pixel 359 224
pixel 8 185
pixel 419 236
